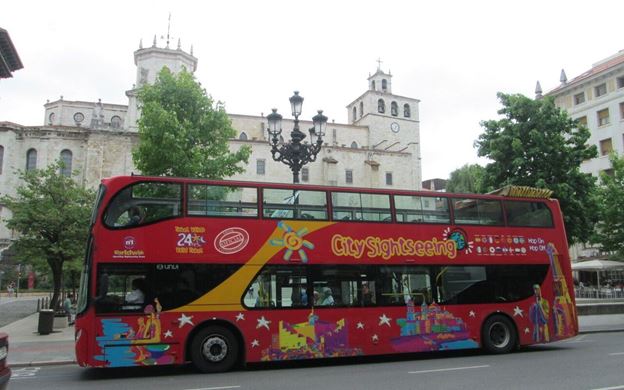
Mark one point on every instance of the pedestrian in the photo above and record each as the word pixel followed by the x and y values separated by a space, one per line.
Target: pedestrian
pixel 10 289
pixel 67 306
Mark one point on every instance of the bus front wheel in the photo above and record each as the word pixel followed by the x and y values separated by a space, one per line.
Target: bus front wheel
pixel 498 335
pixel 214 349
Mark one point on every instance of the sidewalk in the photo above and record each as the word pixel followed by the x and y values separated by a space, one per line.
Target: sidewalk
pixel 28 348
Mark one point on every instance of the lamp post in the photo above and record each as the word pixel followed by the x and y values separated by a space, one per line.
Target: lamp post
pixel 294 153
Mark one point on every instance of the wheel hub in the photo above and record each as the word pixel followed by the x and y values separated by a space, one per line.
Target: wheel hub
pixel 499 335
pixel 214 348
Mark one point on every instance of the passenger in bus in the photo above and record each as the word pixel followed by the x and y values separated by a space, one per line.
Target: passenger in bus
pixel 327 299
pixel 136 215
pixel 137 295
pixel 367 296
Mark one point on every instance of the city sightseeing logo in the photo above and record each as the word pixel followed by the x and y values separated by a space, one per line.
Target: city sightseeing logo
pixel 460 237
pixel 293 242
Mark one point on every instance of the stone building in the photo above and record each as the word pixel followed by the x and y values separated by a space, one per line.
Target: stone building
pixel 379 147
pixel 596 99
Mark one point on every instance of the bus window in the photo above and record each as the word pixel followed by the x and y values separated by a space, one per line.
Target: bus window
pixel 530 214
pixel 211 200
pixel 344 286
pixel 478 212
pixel 354 206
pixel 144 203
pixel 488 284
pixel 278 287
pixel 294 204
pixel 121 288
pixel 422 209
pixel 164 285
pixel 401 284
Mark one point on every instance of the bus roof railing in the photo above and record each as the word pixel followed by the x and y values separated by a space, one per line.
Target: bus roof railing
pixel 523 192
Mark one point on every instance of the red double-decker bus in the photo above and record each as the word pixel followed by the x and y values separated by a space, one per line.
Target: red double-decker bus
pixel 219 273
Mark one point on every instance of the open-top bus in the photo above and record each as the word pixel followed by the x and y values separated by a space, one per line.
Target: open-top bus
pixel 235 272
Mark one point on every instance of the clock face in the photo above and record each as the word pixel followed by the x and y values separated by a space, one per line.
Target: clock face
pixel 395 127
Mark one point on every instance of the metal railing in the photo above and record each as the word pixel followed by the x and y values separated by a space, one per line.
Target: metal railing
pixel 602 293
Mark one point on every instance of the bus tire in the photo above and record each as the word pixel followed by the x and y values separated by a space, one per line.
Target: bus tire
pixel 214 349
pixel 498 334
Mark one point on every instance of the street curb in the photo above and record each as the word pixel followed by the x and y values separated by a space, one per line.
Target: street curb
pixel 610 330
pixel 44 363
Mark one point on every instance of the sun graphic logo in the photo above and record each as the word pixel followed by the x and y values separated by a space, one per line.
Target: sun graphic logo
pixel 293 242
pixel 460 238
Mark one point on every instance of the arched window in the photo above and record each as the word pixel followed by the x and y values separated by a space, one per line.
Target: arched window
pixel 361 109
pixel 1 157
pixel 116 122
pixel 354 145
pixel 66 158
pixel 406 111
pixel 354 113
pixel 381 106
pixel 384 85
pixel 31 159
pixel 243 136
pixel 394 108
pixel 373 85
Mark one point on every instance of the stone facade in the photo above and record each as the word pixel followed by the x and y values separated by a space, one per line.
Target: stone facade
pixel 596 97
pixel 377 148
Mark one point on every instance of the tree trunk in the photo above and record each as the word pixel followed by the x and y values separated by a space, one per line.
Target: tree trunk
pixel 57 277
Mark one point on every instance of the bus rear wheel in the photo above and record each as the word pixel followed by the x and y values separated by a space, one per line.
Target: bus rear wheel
pixel 214 349
pixel 498 335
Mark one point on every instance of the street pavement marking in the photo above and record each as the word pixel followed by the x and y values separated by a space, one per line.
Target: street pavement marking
pixel 25 373
pixel 616 353
pixel 611 388
pixel 447 369
pixel 217 388
pixel 578 339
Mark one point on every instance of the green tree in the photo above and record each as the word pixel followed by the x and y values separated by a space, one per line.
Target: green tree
pixel 537 144
pixel 610 195
pixel 51 214
pixel 468 180
pixel 183 132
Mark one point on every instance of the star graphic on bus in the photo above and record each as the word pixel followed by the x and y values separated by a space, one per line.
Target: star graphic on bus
pixel 384 320
pixel 184 319
pixel 263 322
pixel 293 241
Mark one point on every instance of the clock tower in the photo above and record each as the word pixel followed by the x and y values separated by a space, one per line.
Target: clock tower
pixel 392 119
pixel 149 62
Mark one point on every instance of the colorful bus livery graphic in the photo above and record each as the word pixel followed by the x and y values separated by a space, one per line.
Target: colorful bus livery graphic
pixel 431 329
pixel 235 272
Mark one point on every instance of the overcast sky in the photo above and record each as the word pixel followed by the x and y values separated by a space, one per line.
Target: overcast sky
pixel 452 55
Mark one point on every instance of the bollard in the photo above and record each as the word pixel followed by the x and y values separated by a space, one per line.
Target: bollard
pixel 38 304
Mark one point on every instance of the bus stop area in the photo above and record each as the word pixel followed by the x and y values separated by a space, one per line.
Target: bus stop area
pixel 28 348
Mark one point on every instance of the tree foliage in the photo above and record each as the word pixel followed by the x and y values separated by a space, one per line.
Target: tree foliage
pixel 467 179
pixel 183 132
pixel 537 144
pixel 51 214
pixel 610 195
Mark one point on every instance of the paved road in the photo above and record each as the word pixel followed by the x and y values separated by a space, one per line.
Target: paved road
pixel 13 309
pixel 590 361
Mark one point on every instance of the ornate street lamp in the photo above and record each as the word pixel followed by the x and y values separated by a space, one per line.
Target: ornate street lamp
pixel 294 153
